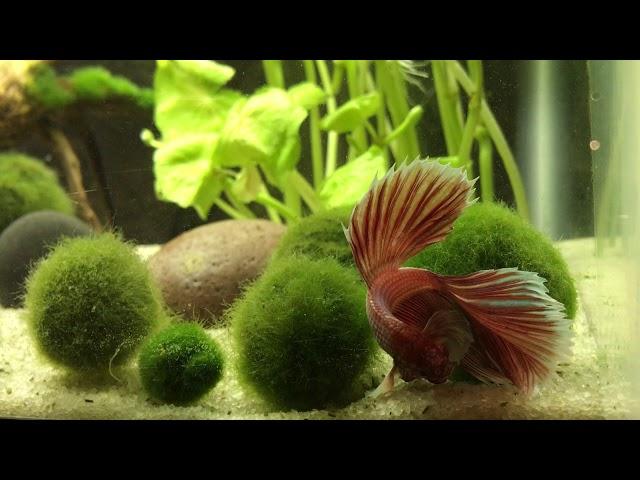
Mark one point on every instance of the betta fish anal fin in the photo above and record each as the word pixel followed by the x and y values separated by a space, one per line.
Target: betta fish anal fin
pixel 405 211
pixel 520 332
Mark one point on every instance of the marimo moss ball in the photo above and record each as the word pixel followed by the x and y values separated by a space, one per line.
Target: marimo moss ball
pixel 28 185
pixel 91 302
pixel 301 333
pixel 27 240
pixel 318 236
pixel 488 236
pixel 180 364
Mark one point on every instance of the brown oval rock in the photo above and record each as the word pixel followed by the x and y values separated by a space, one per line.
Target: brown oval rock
pixel 201 271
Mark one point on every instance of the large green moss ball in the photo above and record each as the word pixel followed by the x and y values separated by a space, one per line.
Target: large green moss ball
pixel 488 236
pixel 180 364
pixel 91 302
pixel 318 236
pixel 301 333
pixel 27 185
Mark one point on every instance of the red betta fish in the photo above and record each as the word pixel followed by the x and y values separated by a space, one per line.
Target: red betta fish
pixel 500 326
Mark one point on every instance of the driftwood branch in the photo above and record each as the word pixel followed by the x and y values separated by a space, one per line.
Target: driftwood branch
pixel 73 174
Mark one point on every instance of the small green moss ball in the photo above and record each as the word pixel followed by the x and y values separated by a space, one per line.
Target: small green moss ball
pixel 318 236
pixel 27 185
pixel 180 364
pixel 301 333
pixel 91 302
pixel 488 236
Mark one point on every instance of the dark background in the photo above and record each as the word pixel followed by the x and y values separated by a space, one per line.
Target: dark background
pixel 117 166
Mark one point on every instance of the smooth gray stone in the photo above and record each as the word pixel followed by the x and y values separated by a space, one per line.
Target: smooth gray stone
pixel 26 241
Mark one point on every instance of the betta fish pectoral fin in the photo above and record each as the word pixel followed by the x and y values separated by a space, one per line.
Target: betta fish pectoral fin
pixel 500 325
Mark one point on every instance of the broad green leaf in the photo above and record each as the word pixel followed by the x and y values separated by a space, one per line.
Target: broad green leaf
pixel 263 130
pixel 247 185
pixel 352 114
pixel 185 174
pixel 453 160
pixel 192 76
pixel 149 139
pixel 307 95
pixel 348 183
pixel 210 190
pixel 189 98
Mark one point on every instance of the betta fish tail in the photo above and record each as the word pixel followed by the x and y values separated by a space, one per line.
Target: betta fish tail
pixel 407 210
pixel 520 332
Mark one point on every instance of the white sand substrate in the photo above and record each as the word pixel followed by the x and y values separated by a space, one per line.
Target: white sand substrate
pixel 588 387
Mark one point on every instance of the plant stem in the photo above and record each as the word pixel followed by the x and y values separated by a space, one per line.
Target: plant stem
pixel 292 198
pixel 377 85
pixel 464 154
pixel 314 131
pixel 332 137
pixel 353 68
pixel 447 107
pixel 229 210
pixel 275 77
pixel 485 164
pixel 336 80
pixel 268 201
pixel 305 190
pixel 381 120
pixel 454 94
pixel 372 132
pixel 499 141
pixel 410 120
pixel 238 205
pixel 395 93
pixel 273 73
pixel 73 173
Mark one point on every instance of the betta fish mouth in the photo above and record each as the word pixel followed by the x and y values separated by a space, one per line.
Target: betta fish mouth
pixel 437 375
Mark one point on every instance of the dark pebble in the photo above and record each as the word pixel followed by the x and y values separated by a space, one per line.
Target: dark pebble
pixel 26 241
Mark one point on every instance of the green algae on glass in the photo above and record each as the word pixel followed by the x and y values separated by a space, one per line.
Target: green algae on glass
pixel 90 303
pixel 318 236
pixel 180 364
pixel 489 236
pixel 92 84
pixel 28 185
pixel 301 334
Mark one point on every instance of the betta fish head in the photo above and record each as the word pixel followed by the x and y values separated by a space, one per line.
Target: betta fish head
pixel 427 360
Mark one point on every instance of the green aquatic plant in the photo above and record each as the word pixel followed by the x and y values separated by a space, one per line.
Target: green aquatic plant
pixel 489 236
pixel 28 185
pixel 219 147
pixel 180 364
pixel 480 125
pixel 90 303
pixel 301 333
pixel 318 236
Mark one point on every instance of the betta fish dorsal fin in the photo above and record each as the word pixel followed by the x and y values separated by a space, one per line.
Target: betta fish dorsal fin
pixel 520 332
pixel 408 209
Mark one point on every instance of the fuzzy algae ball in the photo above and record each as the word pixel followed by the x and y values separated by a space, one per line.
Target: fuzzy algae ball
pixel 318 236
pixel 180 364
pixel 91 302
pixel 301 333
pixel 27 185
pixel 488 236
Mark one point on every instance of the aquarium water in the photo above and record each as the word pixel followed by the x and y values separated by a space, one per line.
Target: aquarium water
pixel 200 239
